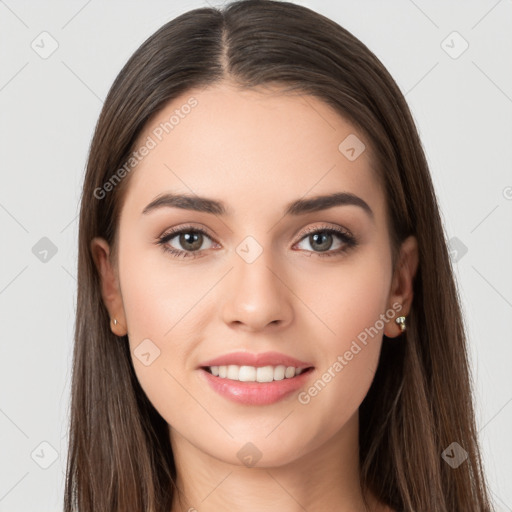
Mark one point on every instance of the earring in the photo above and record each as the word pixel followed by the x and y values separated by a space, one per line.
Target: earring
pixel 401 322
pixel 115 321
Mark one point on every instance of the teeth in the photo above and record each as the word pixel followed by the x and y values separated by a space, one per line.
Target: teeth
pixel 255 374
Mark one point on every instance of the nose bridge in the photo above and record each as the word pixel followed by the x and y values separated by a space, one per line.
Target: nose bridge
pixel 256 295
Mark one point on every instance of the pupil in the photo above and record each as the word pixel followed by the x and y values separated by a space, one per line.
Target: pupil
pixel 192 240
pixel 324 246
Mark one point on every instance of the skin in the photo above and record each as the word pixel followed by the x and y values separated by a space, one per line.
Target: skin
pixel 256 151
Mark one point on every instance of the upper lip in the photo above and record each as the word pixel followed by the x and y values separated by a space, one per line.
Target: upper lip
pixel 262 359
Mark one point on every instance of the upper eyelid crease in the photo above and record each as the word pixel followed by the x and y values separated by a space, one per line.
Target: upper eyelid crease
pixel 173 232
pixel 340 232
pixel 349 241
pixel 295 208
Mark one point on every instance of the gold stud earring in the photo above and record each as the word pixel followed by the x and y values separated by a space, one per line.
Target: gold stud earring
pixel 401 322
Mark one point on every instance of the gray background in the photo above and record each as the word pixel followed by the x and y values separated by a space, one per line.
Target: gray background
pixel 462 104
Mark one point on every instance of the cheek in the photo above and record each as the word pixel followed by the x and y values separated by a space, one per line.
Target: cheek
pixel 160 306
pixel 352 307
pixel 159 297
pixel 159 331
pixel 350 297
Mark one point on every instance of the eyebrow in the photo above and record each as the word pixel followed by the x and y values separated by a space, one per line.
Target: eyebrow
pixel 295 208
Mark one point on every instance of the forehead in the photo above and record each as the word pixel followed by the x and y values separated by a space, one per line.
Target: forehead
pixel 253 149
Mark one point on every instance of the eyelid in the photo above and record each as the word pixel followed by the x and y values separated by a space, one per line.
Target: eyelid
pixel 302 234
pixel 184 227
pixel 327 227
pixel 342 232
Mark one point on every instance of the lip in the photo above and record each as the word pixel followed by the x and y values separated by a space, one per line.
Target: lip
pixel 255 393
pixel 262 359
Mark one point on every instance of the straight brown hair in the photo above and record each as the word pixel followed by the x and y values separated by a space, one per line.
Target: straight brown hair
pixel 421 398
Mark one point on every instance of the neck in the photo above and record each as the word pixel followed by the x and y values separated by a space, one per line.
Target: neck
pixel 325 477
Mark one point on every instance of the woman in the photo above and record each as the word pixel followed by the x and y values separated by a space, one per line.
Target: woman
pixel 267 317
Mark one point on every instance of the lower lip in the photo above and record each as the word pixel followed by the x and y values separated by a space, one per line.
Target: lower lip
pixel 255 393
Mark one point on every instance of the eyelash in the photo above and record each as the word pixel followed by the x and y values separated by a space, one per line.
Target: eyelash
pixel 348 240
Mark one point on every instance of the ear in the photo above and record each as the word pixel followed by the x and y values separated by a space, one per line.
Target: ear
pixel 401 291
pixel 110 290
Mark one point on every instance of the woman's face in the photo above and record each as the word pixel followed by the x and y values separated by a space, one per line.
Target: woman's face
pixel 260 278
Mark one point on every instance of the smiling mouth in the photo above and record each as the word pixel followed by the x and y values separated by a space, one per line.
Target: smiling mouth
pixel 261 374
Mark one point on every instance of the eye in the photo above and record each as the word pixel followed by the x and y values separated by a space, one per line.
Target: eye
pixel 321 240
pixel 190 238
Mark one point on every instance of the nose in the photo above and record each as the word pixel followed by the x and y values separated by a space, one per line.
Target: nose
pixel 256 295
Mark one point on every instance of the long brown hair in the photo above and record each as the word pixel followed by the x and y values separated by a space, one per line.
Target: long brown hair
pixel 420 402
